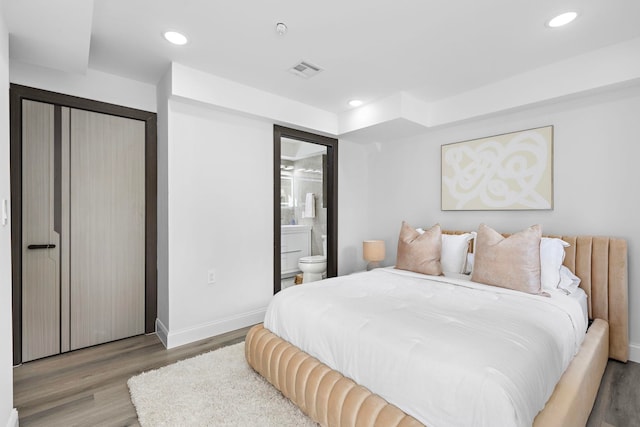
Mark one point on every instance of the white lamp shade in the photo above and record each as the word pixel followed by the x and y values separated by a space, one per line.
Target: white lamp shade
pixel 373 250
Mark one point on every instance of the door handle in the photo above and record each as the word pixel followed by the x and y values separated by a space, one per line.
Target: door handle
pixel 46 246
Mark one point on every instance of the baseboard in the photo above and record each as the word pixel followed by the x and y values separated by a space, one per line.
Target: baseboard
pixel 177 338
pixel 634 352
pixel 13 418
pixel 162 332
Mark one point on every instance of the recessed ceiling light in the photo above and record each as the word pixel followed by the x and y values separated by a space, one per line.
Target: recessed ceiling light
pixel 562 19
pixel 355 102
pixel 175 37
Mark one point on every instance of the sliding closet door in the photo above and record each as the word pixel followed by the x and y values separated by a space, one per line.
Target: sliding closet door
pixel 40 240
pixel 107 212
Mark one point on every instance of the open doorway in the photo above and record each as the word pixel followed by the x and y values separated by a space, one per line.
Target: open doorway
pixel 305 206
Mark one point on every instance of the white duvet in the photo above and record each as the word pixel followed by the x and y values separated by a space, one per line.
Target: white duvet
pixel 448 352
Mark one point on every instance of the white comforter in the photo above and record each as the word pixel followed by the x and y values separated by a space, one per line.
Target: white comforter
pixel 448 352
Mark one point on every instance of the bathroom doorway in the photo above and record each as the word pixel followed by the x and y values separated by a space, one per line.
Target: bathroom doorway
pixel 305 206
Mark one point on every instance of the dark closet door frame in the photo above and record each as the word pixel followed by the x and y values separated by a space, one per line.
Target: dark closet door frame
pixel 18 93
pixel 280 132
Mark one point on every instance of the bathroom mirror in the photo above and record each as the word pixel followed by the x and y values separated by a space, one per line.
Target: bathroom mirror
pixel 305 207
pixel 286 190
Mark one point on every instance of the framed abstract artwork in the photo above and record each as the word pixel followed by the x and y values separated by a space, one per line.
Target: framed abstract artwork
pixel 513 171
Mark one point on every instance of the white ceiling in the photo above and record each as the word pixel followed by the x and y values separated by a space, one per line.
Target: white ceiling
pixel 369 49
pixel 51 36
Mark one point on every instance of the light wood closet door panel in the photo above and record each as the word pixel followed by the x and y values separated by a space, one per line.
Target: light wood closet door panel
pixel 40 267
pixel 65 232
pixel 107 228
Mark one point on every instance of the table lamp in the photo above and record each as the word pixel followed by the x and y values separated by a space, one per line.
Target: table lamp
pixel 373 252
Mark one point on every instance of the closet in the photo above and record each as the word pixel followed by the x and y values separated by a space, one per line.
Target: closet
pixel 83 244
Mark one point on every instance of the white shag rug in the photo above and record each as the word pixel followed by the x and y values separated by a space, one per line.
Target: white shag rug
pixel 218 388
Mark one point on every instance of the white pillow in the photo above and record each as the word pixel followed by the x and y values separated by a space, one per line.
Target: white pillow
pixel 455 247
pixel 551 258
pixel 454 252
pixel 468 269
pixel 569 282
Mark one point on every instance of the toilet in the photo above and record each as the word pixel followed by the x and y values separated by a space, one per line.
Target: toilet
pixel 314 267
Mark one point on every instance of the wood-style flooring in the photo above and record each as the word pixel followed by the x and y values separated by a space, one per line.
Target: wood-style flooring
pixel 89 387
pixel 618 401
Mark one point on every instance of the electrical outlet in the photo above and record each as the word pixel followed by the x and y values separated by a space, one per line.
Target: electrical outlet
pixel 211 277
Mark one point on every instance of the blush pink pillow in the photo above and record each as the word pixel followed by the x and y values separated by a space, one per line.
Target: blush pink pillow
pixel 512 262
pixel 420 253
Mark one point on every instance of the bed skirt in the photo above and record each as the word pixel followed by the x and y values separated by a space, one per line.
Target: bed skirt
pixel 330 399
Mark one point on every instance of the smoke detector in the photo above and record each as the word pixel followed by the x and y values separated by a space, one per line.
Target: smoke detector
pixel 305 69
pixel 281 28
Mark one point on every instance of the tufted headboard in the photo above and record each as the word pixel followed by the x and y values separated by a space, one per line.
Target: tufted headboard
pixel 601 264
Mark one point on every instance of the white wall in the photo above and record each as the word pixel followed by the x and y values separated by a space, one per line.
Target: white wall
pixel 596 173
pixel 163 324
pixel 8 415
pixel 215 185
pixel 220 216
pixel 93 84
pixel 354 190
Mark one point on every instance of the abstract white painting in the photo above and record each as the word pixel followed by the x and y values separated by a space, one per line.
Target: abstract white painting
pixel 513 171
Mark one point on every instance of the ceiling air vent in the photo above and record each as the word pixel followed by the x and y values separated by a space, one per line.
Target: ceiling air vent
pixel 305 69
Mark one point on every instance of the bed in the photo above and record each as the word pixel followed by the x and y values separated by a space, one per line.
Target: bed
pixel 332 399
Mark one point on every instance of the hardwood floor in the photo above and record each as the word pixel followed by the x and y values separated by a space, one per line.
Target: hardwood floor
pixel 618 401
pixel 89 387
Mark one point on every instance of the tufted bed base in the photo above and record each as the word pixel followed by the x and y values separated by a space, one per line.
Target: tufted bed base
pixel 330 399
pixel 323 394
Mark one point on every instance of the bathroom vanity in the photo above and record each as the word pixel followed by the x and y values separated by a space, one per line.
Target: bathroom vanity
pixel 295 243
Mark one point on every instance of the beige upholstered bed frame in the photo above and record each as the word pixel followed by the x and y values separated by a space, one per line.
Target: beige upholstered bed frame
pixel 331 399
